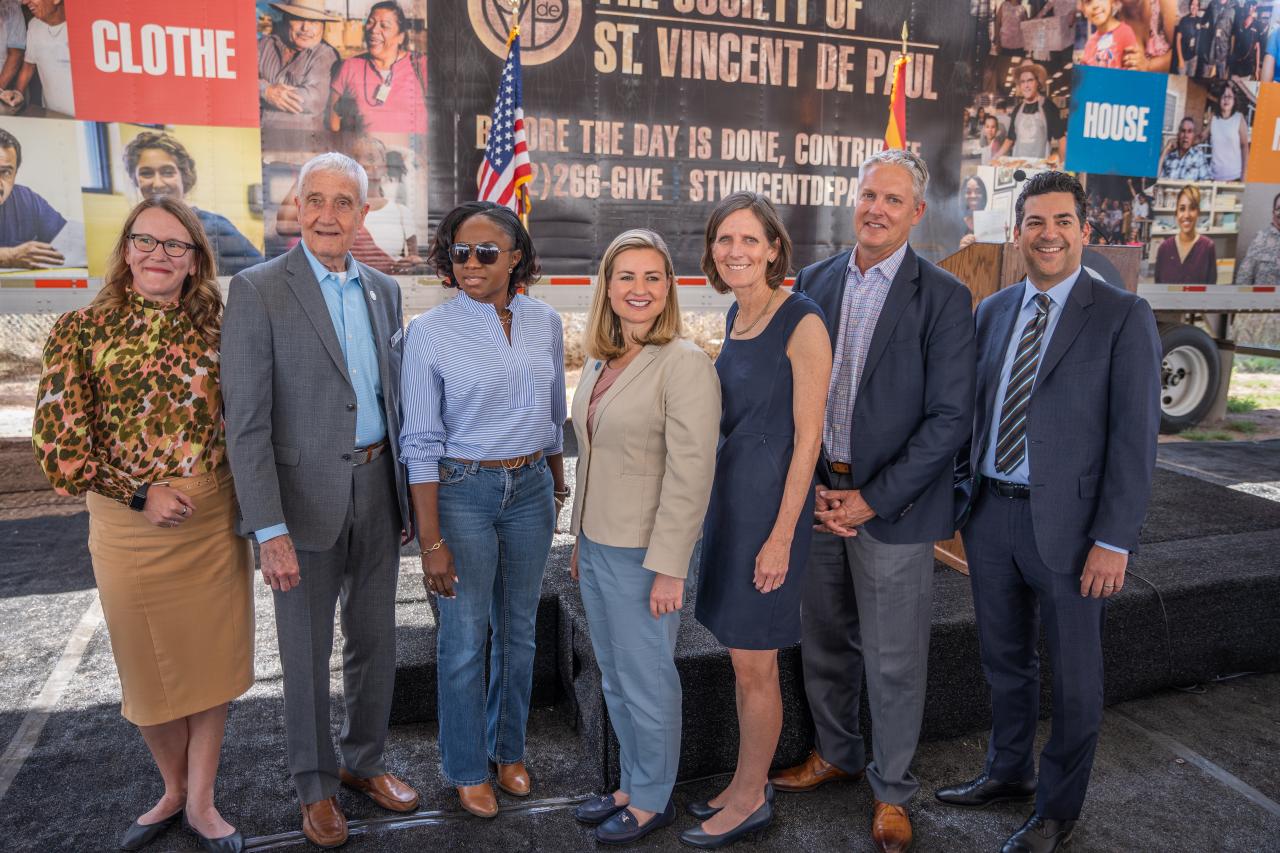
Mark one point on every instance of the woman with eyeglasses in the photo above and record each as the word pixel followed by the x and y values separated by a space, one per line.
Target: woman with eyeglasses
pixel 129 412
pixel 482 383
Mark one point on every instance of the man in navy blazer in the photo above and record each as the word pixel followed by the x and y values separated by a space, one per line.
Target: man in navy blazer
pixel 899 406
pixel 1064 445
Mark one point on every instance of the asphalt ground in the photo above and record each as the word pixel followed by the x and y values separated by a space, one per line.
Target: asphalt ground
pixel 1180 770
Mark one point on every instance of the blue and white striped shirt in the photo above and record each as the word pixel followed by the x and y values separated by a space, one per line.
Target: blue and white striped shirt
pixel 860 306
pixel 469 394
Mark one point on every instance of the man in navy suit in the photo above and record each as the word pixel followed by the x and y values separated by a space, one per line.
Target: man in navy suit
pixel 1064 445
pixel 899 406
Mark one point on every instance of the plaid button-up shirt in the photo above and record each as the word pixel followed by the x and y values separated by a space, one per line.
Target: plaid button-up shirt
pixel 864 295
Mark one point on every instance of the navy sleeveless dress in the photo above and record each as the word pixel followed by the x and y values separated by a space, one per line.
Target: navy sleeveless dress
pixel 757 436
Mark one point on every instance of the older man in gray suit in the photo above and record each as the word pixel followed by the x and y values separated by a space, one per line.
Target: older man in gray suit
pixel 310 371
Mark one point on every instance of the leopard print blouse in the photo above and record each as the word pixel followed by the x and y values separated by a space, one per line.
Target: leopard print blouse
pixel 127 397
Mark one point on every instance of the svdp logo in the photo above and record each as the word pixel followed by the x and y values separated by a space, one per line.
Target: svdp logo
pixel 547 27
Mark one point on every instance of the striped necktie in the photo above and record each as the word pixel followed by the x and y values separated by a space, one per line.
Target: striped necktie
pixel 1011 442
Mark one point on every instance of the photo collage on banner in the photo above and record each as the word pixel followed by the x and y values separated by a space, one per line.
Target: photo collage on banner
pixel 42 223
pixel 348 76
pixel 1151 102
pixel 164 94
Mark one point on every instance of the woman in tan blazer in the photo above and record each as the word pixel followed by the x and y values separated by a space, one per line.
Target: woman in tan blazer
pixel 647 418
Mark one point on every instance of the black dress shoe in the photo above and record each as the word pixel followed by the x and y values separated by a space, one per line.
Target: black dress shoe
pixel 623 828
pixel 984 791
pixel 753 827
pixel 233 843
pixel 703 810
pixel 596 810
pixel 1040 835
pixel 139 835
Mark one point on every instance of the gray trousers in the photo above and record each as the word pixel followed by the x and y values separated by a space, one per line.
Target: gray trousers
pixel 867 607
pixel 360 571
pixel 638 676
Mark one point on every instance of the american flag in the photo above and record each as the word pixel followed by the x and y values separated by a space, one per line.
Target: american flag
pixel 506 168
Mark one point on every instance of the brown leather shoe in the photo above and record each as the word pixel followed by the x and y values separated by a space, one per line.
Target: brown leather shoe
pixel 514 779
pixel 385 790
pixel 479 799
pixel 324 824
pixel 809 774
pixel 891 828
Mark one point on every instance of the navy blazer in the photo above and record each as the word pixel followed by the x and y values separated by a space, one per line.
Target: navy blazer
pixel 914 403
pixel 1092 421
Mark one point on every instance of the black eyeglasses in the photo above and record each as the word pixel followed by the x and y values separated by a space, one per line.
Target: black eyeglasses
pixel 172 248
pixel 486 253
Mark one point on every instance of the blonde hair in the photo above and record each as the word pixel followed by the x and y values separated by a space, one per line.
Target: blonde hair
pixel 200 299
pixel 1192 192
pixel 602 338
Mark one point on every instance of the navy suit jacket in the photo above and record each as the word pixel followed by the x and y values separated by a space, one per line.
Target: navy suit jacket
pixel 1092 421
pixel 914 404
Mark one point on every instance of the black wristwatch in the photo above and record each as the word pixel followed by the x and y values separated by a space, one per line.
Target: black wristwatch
pixel 139 500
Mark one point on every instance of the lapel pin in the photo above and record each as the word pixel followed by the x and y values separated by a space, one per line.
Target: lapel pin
pixel 373 296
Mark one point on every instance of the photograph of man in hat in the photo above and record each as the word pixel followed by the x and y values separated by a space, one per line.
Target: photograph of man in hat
pixel 294 68
pixel 1036 127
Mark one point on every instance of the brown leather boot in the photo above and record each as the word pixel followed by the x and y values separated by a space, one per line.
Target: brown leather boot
pixel 385 790
pixel 479 799
pixel 891 828
pixel 809 774
pixel 514 779
pixel 324 824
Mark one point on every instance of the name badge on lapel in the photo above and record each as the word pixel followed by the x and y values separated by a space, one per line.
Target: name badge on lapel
pixel 395 339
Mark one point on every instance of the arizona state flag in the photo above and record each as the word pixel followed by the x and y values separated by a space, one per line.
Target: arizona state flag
pixel 895 134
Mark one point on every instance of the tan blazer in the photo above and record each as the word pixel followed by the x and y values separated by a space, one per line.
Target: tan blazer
pixel 645 479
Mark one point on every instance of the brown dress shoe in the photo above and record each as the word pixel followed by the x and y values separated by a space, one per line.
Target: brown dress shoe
pixel 478 799
pixel 514 779
pixel 809 774
pixel 385 790
pixel 891 828
pixel 324 824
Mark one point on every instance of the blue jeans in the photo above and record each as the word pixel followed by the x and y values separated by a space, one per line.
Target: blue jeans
pixel 498 524
pixel 638 676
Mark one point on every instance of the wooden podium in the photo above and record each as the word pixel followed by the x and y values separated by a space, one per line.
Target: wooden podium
pixel 988 267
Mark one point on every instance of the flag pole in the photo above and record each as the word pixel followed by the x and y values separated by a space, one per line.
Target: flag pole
pixel 524 205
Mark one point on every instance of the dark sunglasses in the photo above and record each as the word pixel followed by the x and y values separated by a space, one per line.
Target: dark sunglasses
pixel 486 253
pixel 173 248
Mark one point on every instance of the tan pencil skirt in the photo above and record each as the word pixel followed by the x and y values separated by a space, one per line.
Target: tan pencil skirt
pixel 177 600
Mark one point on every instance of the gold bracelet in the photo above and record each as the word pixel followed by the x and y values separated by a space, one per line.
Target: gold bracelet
pixel 435 547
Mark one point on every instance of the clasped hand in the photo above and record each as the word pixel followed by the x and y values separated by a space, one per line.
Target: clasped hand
pixel 841 511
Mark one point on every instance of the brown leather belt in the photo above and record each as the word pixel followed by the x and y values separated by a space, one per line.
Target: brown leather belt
pixel 839 467
pixel 364 455
pixel 510 464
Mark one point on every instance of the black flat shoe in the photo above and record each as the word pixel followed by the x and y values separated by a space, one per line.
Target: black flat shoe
pixel 233 843
pixel 983 791
pixel 703 810
pixel 597 810
pixel 1040 835
pixel 753 828
pixel 623 828
pixel 139 835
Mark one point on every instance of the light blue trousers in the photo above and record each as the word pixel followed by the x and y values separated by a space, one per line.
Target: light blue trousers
pixel 638 674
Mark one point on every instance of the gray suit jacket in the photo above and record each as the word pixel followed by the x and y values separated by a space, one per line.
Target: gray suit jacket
pixel 289 404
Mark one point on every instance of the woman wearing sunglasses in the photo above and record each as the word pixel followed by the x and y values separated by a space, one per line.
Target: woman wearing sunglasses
pixel 484 409
pixel 130 412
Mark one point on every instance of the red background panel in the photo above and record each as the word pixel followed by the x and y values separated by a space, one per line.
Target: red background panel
pixel 106 91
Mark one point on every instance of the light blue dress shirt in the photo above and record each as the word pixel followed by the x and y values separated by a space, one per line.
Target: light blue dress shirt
pixel 469 393
pixel 345 300
pixel 1058 295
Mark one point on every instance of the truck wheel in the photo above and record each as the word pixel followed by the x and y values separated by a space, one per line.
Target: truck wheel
pixel 1189 377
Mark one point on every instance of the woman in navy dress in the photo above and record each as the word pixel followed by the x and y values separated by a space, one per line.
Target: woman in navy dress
pixel 774 369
